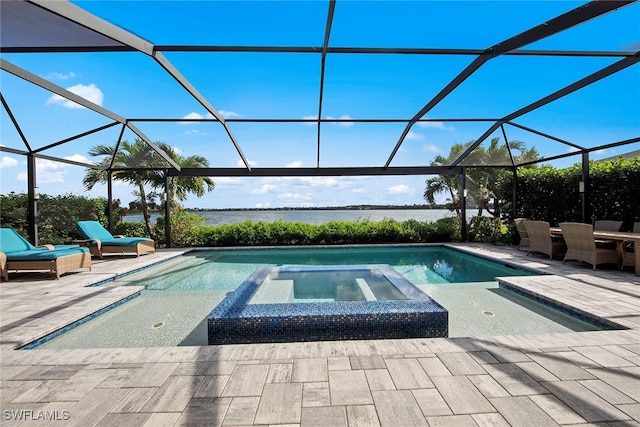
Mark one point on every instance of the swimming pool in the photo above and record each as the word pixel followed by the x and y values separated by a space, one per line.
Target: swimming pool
pixel 179 295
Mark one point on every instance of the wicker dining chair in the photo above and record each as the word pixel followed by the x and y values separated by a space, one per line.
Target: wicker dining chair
pixel 607 225
pixel 581 245
pixel 541 240
pixel 522 232
pixel 627 250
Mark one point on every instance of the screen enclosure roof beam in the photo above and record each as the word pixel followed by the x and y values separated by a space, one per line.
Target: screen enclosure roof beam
pixel 84 19
pixel 560 23
pixel 305 172
pixel 45 84
pixel 586 81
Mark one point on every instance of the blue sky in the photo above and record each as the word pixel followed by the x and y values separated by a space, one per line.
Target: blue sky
pixel 279 85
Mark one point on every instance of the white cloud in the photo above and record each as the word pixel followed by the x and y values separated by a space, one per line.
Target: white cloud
pixel 60 76
pixel 398 189
pixel 43 165
pixel 359 191
pixel 227 180
pixel 47 171
pixel 79 158
pixel 193 132
pixel 263 205
pixel 310 118
pixel 8 162
pixel 89 92
pixel 414 136
pixel 266 188
pixel 295 196
pixel 196 116
pixel 343 117
pixel 252 163
pixel 294 164
pixel 208 116
pixel 430 148
pixel 229 114
pixel 436 125
pixel 317 181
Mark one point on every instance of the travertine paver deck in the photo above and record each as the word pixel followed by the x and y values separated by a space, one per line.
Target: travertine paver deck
pixel 538 380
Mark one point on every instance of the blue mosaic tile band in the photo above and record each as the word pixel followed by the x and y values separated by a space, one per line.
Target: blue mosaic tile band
pixel 235 321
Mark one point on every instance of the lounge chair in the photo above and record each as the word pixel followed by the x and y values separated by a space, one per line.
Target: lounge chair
pixel 522 231
pixel 101 242
pixel 627 250
pixel 581 245
pixel 16 253
pixel 607 225
pixel 541 240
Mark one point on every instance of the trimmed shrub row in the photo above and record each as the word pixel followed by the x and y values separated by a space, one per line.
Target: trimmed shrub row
pixel 260 233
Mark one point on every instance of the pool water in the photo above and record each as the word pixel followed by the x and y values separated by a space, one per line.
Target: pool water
pixel 179 295
pixel 325 284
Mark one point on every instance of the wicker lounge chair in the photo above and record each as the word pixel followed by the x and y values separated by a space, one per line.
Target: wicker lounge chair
pixel 607 225
pixel 627 250
pixel 581 245
pixel 18 254
pixel 541 240
pixel 522 231
pixel 101 242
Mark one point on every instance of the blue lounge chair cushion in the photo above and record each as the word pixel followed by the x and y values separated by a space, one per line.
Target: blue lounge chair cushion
pixel 43 255
pixel 10 241
pixel 95 230
pixel 16 248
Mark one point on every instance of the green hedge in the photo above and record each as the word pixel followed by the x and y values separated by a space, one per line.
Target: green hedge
pixel 550 194
pixel 57 216
pixel 250 233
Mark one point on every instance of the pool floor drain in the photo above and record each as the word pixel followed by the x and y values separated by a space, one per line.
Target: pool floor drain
pixel 488 313
pixel 157 325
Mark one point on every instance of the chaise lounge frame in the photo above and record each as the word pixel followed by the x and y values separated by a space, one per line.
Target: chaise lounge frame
pixel 100 241
pixel 59 266
pixel 98 249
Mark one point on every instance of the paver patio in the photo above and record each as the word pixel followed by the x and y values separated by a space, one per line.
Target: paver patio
pixel 545 379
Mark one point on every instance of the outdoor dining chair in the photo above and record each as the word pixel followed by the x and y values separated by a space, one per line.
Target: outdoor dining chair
pixel 581 245
pixel 607 225
pixel 522 232
pixel 541 240
pixel 627 250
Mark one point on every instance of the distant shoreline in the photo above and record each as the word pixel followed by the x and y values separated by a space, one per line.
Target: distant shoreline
pixel 325 208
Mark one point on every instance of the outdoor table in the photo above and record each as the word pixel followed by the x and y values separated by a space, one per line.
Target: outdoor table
pixel 619 236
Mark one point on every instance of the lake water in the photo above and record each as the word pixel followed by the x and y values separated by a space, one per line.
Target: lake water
pixel 315 216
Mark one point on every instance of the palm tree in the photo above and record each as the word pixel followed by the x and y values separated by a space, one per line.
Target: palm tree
pixel 129 158
pixel 485 179
pixel 480 181
pixel 447 183
pixel 181 186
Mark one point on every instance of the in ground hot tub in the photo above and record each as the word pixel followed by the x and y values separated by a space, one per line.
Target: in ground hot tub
pixel 317 303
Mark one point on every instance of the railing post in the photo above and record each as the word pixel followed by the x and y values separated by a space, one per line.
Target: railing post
pixel 463 204
pixel 32 200
pixel 584 188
